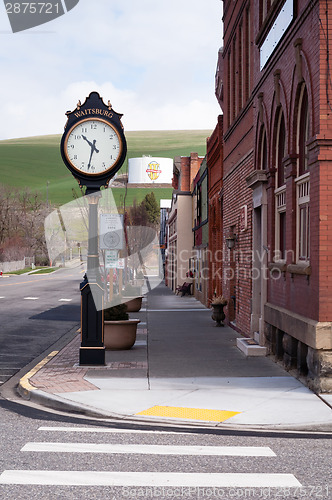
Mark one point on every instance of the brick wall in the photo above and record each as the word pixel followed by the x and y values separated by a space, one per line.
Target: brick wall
pixel 215 171
pixel 298 293
pixel 237 283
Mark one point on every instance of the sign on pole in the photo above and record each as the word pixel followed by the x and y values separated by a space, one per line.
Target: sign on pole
pixel 113 261
pixel 111 232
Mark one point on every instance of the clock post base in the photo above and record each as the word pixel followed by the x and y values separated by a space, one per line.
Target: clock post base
pixel 92 356
pixel 92 350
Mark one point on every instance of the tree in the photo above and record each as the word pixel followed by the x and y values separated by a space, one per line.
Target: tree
pixel 152 209
pixel 137 215
pixel 22 215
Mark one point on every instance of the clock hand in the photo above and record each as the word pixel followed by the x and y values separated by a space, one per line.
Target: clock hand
pixel 93 149
pixel 90 143
pixel 94 146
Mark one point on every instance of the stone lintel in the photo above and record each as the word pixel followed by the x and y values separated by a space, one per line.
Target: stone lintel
pixel 256 178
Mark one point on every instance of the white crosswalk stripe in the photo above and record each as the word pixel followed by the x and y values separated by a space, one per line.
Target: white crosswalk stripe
pixel 144 449
pixel 153 479
pixel 37 298
pixel 169 479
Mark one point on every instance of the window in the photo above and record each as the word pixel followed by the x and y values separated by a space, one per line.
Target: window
pixel 303 179
pixel 280 191
pixel 277 30
pixel 262 158
pixel 234 87
pixel 280 196
pixel 241 67
pixel 281 144
pixel 303 136
pixel 248 55
pixel 303 199
pixel 229 88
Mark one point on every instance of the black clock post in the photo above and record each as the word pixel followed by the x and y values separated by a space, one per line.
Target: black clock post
pixel 93 147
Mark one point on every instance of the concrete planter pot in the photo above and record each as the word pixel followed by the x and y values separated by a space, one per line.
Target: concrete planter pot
pixel 134 304
pixel 120 335
pixel 218 313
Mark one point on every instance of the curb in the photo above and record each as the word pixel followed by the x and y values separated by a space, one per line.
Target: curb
pixel 25 389
pixel 28 392
pixel 58 403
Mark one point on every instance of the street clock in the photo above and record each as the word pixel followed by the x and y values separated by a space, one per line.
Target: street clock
pixel 93 145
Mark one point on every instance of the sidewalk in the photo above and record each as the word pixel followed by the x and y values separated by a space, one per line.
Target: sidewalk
pixel 182 370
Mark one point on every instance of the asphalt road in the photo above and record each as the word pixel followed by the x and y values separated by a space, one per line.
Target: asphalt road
pixel 53 456
pixel 36 311
pixel 46 454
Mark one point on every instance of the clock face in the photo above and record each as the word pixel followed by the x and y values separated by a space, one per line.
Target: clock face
pixel 93 146
pixel 111 239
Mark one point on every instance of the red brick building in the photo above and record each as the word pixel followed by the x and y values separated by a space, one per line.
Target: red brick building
pixel 200 228
pixel 234 96
pixel 180 236
pixel 276 95
pixel 214 158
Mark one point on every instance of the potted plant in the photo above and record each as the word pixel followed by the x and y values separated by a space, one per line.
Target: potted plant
pixel 140 278
pixel 218 303
pixel 119 330
pixel 131 295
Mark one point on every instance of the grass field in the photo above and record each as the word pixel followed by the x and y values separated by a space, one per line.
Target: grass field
pixel 34 162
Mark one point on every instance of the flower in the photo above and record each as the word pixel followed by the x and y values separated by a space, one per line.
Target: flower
pixel 220 299
pixel 189 274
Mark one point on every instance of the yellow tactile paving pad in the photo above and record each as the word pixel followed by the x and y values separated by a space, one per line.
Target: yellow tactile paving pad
pixel 190 413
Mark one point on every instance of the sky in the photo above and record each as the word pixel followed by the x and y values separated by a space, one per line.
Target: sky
pixel 155 60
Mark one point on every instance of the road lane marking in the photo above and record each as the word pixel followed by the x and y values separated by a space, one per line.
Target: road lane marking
pixel 65 300
pixel 166 479
pixel 147 449
pixel 30 298
pixel 30 281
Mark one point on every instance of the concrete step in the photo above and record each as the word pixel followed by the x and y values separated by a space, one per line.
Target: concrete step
pixel 250 347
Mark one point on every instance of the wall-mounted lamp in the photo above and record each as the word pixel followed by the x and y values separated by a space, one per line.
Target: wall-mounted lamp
pixel 230 241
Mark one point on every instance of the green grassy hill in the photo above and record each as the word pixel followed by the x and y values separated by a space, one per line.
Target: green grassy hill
pixel 35 161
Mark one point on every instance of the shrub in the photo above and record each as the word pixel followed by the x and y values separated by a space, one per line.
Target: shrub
pixel 116 313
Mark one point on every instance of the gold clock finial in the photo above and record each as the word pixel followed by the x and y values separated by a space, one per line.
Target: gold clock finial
pixel 109 105
pixel 79 104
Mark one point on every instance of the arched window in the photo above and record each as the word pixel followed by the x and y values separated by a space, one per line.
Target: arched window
pixel 303 132
pixel 280 191
pixel 262 150
pixel 281 149
pixel 303 179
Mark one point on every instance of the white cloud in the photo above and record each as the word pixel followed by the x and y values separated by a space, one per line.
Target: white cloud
pixel 155 61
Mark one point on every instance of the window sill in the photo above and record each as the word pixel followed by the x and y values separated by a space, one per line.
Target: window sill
pixel 279 266
pixel 303 269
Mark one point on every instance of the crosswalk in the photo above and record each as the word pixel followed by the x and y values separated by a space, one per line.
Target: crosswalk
pixel 36 298
pixel 122 445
